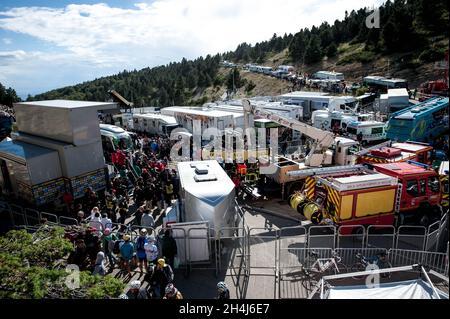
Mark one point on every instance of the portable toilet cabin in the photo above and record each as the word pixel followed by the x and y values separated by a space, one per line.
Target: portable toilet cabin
pixel 207 195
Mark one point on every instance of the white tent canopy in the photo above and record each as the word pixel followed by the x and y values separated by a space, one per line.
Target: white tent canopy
pixel 411 289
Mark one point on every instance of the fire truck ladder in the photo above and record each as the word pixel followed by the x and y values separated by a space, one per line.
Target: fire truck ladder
pixel 326 170
pixel 367 150
pixel 398 198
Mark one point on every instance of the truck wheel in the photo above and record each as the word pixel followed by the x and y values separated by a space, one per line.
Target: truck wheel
pixel 401 219
pixel 425 220
pixel 358 233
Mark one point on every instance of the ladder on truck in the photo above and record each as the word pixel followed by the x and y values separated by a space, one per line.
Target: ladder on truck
pixel 326 170
pixel 367 150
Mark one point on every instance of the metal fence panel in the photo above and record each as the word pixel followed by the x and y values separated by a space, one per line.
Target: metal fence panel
pixel 18 215
pixel 411 237
pixel 436 261
pixel 33 217
pixel 67 221
pixel 232 254
pixel 321 236
pixel 380 236
pixel 199 246
pixel 233 248
pixel 292 245
pixel 351 236
pixel 348 255
pixel 51 218
pixel 432 237
pixel 263 248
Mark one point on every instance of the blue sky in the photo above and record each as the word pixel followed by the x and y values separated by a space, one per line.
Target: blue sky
pixel 46 44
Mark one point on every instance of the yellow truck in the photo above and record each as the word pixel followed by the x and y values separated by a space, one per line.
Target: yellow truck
pixel 359 197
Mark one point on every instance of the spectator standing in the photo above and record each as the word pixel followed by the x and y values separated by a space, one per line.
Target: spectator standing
pixel 171 292
pixel 141 241
pixel 99 267
pixel 147 220
pixel 126 253
pixel 106 221
pixel 108 241
pixel 169 247
pixel 151 250
pixel 96 223
pixel 162 276
pixel 136 292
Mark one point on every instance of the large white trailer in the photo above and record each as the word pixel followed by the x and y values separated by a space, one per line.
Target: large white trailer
pixel 154 123
pixel 209 118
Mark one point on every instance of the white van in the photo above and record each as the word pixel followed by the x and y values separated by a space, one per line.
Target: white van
pixel 372 131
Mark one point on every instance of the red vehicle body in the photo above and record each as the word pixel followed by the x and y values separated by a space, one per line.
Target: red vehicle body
pixel 399 152
pixel 420 186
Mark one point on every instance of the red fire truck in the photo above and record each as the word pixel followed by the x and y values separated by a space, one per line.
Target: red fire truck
pixel 420 191
pixel 397 152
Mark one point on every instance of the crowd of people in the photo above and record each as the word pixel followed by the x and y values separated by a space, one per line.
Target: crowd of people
pixel 143 187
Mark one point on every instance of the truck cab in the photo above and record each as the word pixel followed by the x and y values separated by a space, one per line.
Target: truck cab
pixel 371 131
pixel 420 189
pixel 443 177
pixel 423 151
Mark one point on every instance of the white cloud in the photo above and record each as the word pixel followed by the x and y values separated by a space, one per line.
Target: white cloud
pixel 7 41
pixel 12 55
pixel 165 30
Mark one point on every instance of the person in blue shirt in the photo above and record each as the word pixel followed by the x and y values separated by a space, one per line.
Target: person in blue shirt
pixel 141 241
pixel 126 252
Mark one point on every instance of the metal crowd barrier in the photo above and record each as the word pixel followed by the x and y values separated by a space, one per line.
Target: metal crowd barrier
pixel 264 243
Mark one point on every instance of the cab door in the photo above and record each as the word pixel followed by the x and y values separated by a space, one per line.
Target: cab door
pixel 410 196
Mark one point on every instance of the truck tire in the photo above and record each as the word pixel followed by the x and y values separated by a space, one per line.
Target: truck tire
pixel 358 233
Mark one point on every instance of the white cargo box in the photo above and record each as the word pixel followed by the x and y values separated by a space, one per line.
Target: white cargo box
pixel 363 181
pixel 74 122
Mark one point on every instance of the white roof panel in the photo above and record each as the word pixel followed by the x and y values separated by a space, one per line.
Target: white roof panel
pixel 69 104
pixel 152 116
pixel 363 181
pixel 409 147
pixel 211 190
pixel 199 111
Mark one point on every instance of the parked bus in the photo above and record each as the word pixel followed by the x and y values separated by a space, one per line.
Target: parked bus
pixel 422 122
pixel 113 138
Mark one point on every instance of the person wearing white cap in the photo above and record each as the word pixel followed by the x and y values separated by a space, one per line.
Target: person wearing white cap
pixel 136 291
pixel 151 250
pixel 99 268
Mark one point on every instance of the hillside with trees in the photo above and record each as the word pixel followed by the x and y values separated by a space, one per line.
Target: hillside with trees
pixel 412 35
pixel 8 96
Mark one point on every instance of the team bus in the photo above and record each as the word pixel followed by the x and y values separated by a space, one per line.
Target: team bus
pixel 421 122
pixel 114 137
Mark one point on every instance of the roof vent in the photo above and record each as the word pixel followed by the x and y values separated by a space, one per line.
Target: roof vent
pixel 393 167
pixel 201 169
pixel 205 178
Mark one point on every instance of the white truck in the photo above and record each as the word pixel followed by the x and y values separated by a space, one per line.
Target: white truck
pixel 325 149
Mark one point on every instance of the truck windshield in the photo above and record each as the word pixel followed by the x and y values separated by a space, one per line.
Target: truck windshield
pixel 423 185
pixel 351 130
pixel 124 142
pixel 412 188
pixel 433 184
